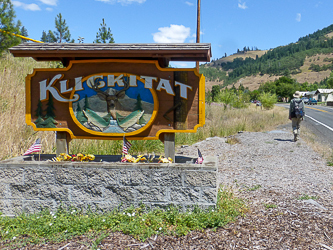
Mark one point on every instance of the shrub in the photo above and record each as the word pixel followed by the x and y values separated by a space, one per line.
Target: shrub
pixel 267 100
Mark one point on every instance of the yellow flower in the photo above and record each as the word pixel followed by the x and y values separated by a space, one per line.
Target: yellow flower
pixel 91 157
pixel 67 157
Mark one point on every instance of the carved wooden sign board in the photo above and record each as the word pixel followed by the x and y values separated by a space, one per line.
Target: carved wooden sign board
pixel 110 98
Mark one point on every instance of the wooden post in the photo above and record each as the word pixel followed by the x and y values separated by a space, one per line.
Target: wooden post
pixel 169 145
pixel 62 143
pixel 198 29
pixel 181 112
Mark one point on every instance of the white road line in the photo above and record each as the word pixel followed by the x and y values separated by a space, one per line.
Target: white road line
pixel 320 123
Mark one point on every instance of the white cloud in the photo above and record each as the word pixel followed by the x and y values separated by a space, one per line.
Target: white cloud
pixel 189 3
pixel 49 9
pixel 298 17
pixel 173 34
pixel 242 5
pixel 123 2
pixel 49 2
pixel 180 64
pixel 32 6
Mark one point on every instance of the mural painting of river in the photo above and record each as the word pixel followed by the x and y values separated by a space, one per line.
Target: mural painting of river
pixel 124 107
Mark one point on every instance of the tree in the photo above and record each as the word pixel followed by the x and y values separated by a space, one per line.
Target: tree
pixel 104 34
pixel 241 88
pixel 233 88
pixel 24 32
pixel 50 108
pixel 267 100
pixel 39 110
pixel 86 103
pixel 62 30
pixel 330 81
pixel 48 37
pixel 138 104
pixel 7 24
pixel 80 115
pixel 215 91
pixel 226 97
pixel 60 35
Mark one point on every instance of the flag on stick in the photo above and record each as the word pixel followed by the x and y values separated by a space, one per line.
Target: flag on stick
pixel 36 147
pixel 200 158
pixel 126 146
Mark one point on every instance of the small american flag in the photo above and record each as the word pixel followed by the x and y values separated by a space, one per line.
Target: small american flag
pixel 36 147
pixel 200 158
pixel 126 146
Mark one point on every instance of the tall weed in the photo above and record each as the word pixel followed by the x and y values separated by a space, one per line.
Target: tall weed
pixel 225 122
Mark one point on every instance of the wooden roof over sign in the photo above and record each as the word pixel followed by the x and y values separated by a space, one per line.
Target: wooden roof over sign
pixel 164 52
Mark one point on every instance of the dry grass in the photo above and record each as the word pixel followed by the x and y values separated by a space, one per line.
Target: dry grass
pixel 15 134
pixel 220 122
pixel 253 119
pixel 318 146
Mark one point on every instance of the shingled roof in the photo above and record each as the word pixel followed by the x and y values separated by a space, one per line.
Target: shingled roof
pixel 164 52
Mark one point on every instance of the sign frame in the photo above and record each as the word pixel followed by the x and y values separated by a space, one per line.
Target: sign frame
pixel 131 136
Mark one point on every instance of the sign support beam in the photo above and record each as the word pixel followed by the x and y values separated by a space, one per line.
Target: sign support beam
pixel 62 143
pixel 169 145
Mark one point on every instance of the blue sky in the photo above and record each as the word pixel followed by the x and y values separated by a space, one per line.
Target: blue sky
pixel 226 24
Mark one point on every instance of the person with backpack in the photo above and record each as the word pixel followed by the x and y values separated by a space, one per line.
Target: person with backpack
pixel 296 114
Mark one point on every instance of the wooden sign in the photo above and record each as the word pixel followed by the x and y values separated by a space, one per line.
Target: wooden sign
pixel 107 99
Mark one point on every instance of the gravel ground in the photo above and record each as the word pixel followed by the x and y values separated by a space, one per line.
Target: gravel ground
pixel 271 173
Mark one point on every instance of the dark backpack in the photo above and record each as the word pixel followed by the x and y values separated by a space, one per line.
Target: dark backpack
pixel 298 109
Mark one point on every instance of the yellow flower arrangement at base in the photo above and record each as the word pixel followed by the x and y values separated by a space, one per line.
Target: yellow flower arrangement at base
pixel 129 158
pixel 162 159
pixel 78 157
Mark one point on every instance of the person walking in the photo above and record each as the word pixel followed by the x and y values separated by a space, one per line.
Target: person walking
pixel 296 114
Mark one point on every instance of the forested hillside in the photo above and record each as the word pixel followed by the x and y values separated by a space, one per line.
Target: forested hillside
pixel 286 60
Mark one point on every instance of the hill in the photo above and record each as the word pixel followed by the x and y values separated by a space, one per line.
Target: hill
pixel 307 60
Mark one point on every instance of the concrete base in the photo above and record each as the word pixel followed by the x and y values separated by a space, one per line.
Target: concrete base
pixel 27 184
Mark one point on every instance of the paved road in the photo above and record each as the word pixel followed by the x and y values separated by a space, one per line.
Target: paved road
pixel 319 119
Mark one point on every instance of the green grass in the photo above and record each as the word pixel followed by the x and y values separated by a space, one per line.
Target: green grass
pixel 254 188
pixel 139 222
pixel 112 147
pixel 307 197
pixel 268 206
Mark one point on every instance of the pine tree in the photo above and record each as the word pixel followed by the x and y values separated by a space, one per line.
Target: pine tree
pixel 48 37
pixel 86 103
pixel 24 32
pixel 62 33
pixel 39 110
pixel 104 34
pixel 39 122
pixel 7 15
pixel 49 122
pixel 50 108
pixel 215 92
pixel 138 104
pixel 80 115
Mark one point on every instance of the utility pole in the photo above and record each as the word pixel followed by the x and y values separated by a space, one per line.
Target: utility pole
pixel 198 29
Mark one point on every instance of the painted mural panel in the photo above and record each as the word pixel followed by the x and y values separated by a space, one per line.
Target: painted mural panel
pixel 113 108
